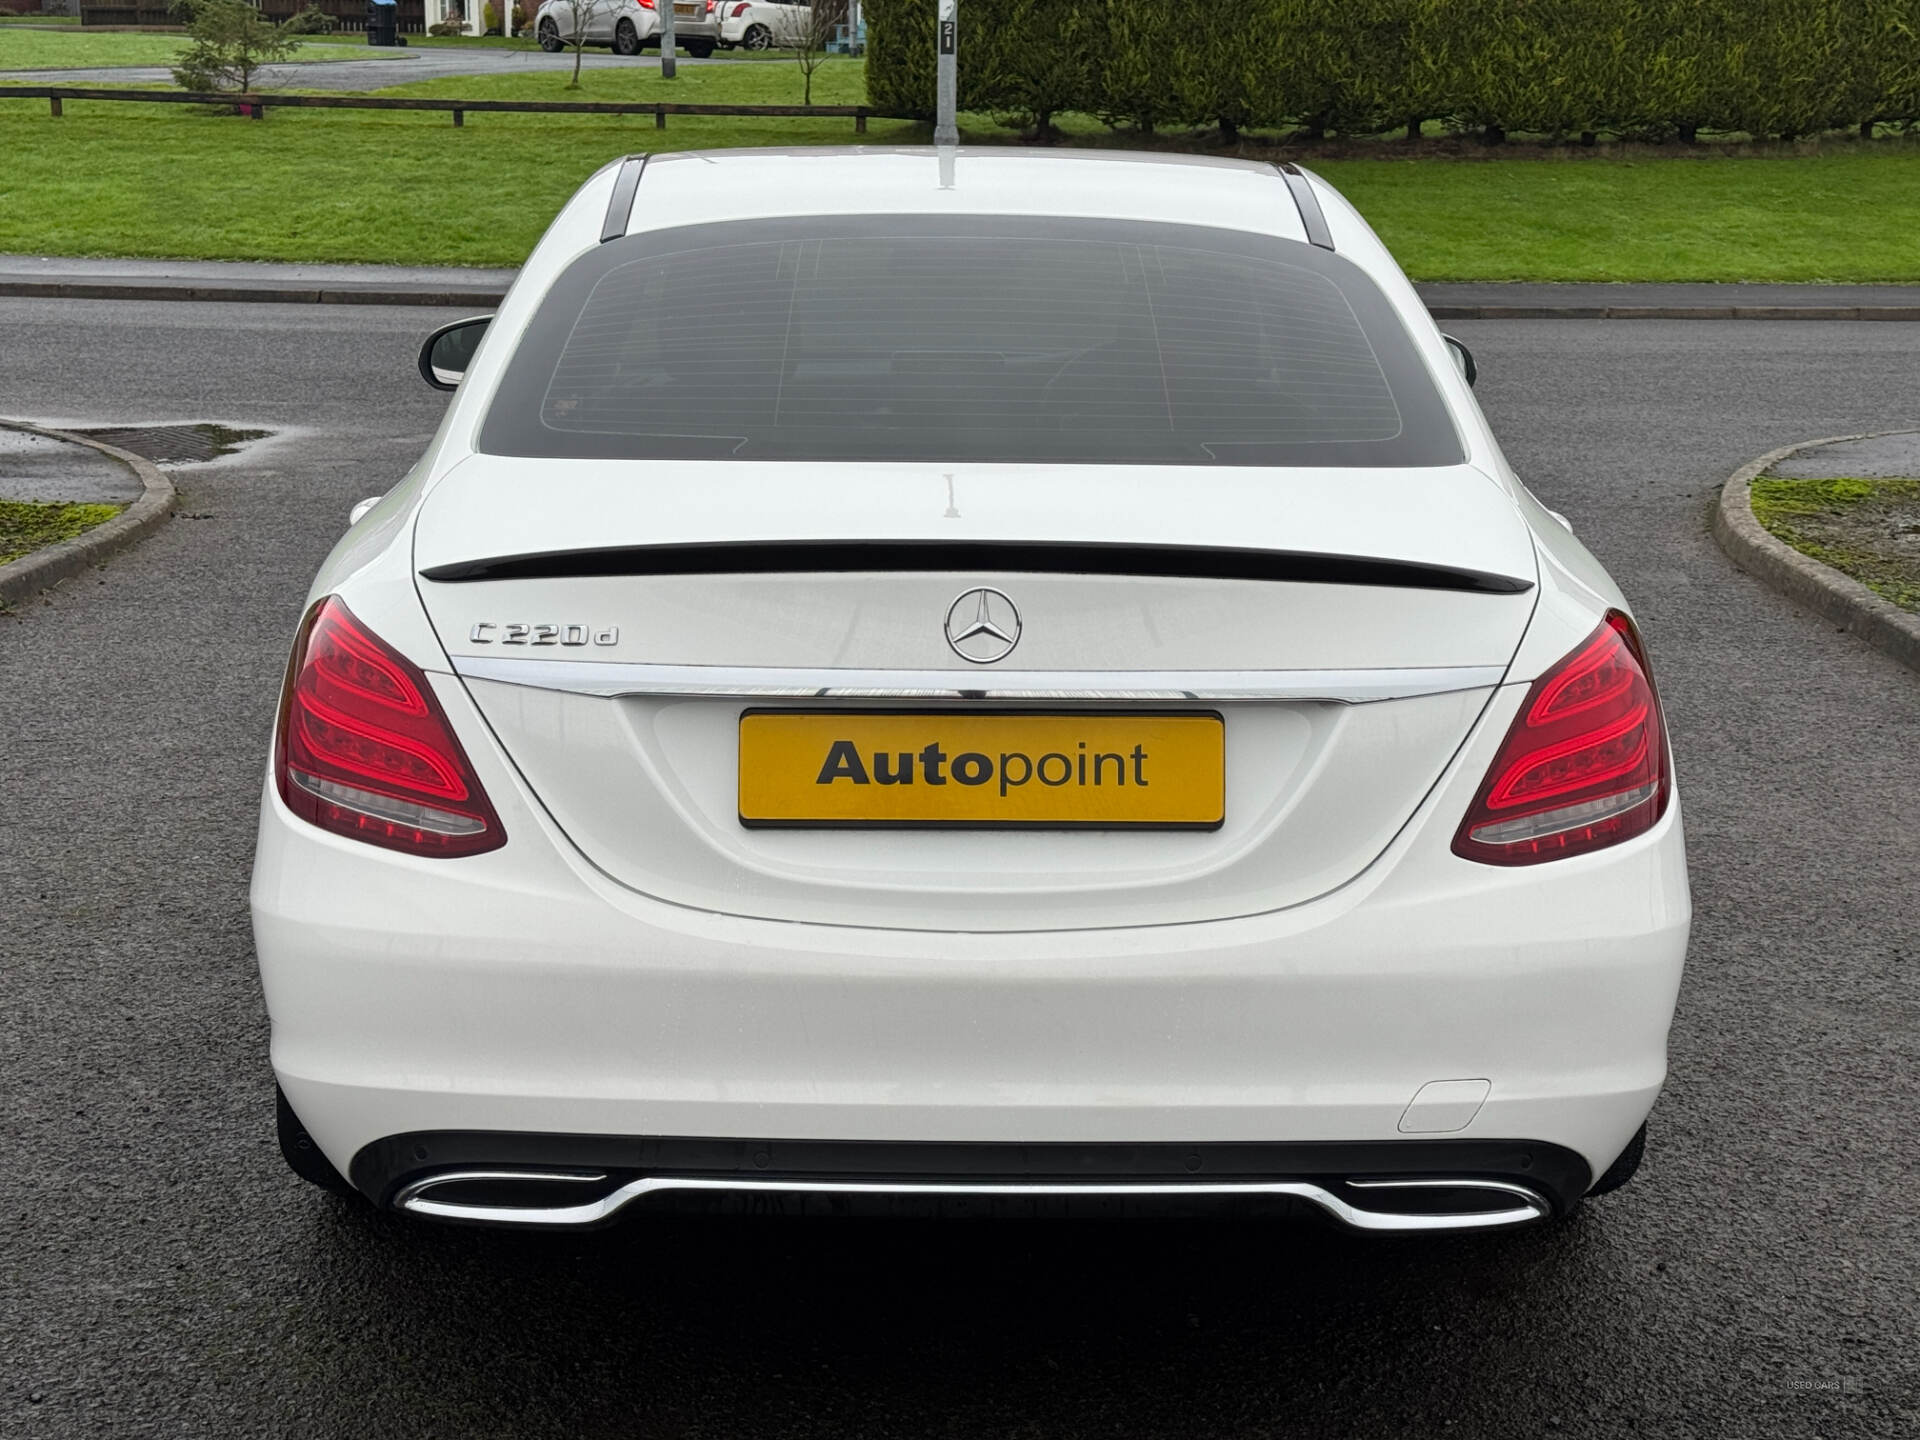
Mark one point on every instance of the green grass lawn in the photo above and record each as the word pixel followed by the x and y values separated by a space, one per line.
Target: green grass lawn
pixel 62 50
pixel 1857 526
pixel 22 49
pixel 123 179
pixel 26 525
pixel 1848 214
pixel 116 179
pixel 837 82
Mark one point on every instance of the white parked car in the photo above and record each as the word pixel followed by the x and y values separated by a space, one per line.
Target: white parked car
pixel 628 26
pixel 1092 716
pixel 762 24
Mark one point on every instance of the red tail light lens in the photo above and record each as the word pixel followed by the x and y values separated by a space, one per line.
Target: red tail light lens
pixel 741 9
pixel 1585 764
pixel 364 750
pixel 646 4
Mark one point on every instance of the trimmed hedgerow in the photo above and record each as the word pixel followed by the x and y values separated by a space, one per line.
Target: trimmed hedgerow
pixel 1638 68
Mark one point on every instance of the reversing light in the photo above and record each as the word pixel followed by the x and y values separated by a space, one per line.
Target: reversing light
pixel 1585 764
pixel 363 748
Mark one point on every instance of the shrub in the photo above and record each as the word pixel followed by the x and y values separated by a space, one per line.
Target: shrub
pixel 229 43
pixel 310 21
pixel 490 19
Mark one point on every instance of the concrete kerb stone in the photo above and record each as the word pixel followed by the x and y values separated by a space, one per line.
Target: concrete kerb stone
pixel 248 294
pixel 375 293
pixel 31 574
pixel 1821 588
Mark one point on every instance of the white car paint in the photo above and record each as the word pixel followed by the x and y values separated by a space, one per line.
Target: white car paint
pixel 633 963
pixel 597 18
pixel 762 24
pixel 694 23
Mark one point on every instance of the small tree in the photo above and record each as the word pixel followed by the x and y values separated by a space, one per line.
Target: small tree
pixel 231 42
pixel 579 12
pixel 816 32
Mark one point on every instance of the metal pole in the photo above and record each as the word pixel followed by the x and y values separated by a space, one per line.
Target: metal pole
pixel 666 40
pixel 946 130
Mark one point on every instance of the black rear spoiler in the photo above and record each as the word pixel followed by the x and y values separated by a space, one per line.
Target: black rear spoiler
pixel 787 557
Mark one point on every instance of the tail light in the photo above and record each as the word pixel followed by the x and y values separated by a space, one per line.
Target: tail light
pixel 1585 764
pixel 364 750
pixel 646 4
pixel 741 9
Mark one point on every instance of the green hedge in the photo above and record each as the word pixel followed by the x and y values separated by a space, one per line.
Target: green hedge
pixel 1644 68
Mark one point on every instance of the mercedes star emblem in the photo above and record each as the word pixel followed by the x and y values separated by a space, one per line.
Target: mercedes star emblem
pixel 983 626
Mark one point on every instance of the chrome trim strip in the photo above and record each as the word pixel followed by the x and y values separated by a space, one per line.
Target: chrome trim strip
pixel 462 1177
pixel 609 678
pixel 1528 1205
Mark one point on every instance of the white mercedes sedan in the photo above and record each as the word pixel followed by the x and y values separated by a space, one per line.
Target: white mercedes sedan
pixel 994 681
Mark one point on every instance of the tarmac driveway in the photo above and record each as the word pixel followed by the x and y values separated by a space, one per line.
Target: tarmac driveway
pixel 399 67
pixel 161 1274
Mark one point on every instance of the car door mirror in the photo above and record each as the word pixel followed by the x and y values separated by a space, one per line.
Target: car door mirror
pixel 1463 359
pixel 449 350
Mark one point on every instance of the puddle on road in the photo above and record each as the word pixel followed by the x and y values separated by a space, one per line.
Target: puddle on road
pixel 191 444
pixel 36 468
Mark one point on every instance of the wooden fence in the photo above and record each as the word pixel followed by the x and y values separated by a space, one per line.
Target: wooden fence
pixel 257 105
pixel 351 15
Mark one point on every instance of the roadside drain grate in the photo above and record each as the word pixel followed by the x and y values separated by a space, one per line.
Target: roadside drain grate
pixel 177 444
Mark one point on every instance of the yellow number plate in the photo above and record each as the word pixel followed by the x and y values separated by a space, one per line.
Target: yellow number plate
pixel 868 767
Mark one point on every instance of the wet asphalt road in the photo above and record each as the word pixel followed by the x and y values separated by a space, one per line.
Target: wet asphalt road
pixel 160 1274
pixel 400 67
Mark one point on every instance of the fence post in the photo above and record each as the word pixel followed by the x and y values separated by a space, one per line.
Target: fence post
pixel 54 100
pixel 860 123
pixel 259 112
pixel 659 117
pixel 459 118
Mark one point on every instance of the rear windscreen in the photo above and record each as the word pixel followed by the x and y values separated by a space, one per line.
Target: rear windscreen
pixel 990 339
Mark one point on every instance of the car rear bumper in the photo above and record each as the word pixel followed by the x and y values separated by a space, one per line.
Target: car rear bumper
pixel 581 1181
pixel 522 993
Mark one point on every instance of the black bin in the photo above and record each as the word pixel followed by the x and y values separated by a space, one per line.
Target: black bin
pixel 383 22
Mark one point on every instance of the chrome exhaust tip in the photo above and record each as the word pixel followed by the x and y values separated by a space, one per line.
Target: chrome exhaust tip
pixel 575 1199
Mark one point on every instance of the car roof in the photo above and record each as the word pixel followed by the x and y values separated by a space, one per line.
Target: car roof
pixel 700 187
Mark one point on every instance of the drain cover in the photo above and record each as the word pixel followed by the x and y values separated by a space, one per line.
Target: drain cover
pixel 177 444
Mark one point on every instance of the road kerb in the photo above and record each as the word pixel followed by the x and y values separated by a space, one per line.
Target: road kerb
pixel 484 298
pixel 1821 588
pixel 250 294
pixel 28 576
